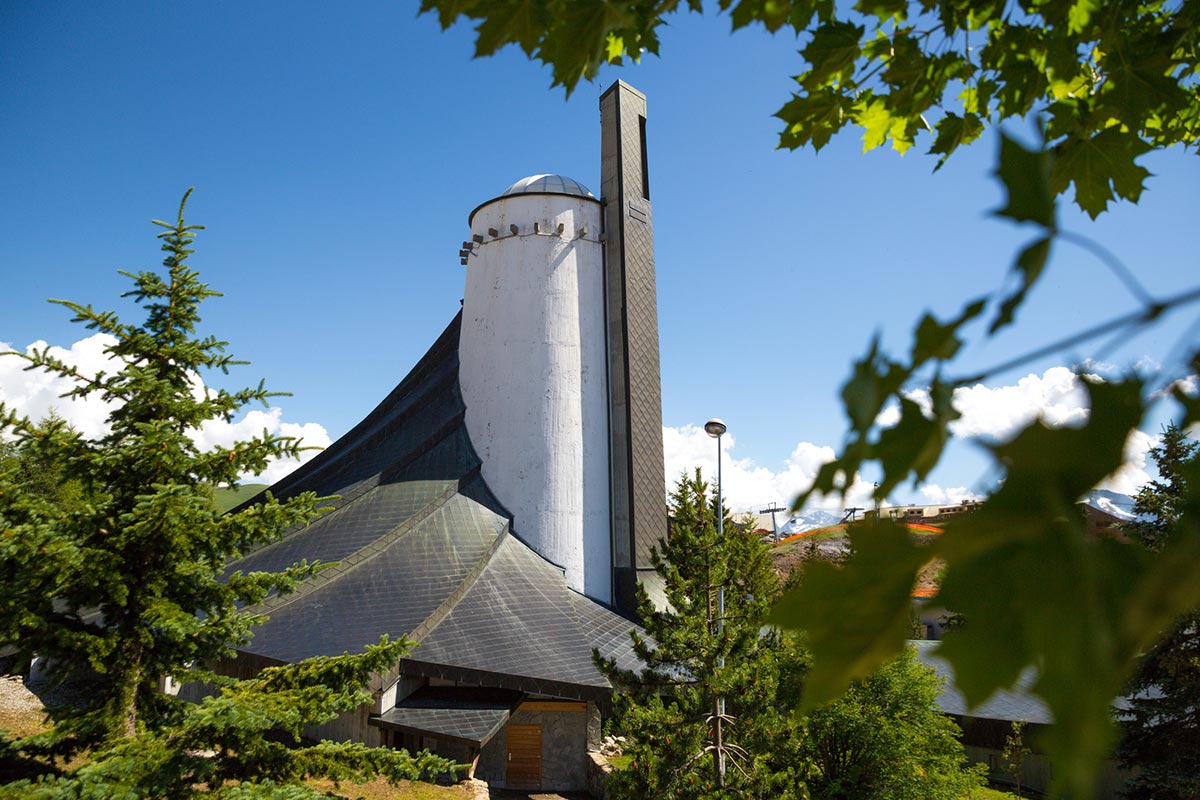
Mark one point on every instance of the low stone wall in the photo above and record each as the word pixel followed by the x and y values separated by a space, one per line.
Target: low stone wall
pixel 598 770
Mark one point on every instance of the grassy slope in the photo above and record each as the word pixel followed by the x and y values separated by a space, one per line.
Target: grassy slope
pixel 227 498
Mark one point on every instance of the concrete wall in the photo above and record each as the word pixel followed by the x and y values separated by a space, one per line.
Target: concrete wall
pixel 533 375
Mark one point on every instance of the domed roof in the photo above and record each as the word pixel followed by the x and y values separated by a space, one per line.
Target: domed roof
pixel 552 184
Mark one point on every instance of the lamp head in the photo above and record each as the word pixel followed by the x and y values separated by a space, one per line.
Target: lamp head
pixel 714 428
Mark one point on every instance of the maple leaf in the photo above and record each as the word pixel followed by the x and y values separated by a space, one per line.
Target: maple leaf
pixel 878 580
pixel 813 118
pixel 1099 165
pixel 833 52
pixel 1026 174
pixel 952 131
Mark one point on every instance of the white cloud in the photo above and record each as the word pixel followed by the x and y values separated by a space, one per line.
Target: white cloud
pixel 1147 365
pixel 932 494
pixel 1132 474
pixel 219 433
pixel 998 413
pixel 36 393
pixel 992 413
pixel 745 484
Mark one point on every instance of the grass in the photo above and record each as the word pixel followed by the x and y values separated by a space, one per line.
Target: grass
pixel 23 722
pixel 229 497
pixel 620 762
pixel 382 790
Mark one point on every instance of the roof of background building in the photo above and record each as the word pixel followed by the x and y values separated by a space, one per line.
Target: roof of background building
pixel 553 184
pixel 425 550
pixel 1017 704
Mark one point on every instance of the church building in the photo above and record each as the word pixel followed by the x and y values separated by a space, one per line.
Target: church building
pixel 499 505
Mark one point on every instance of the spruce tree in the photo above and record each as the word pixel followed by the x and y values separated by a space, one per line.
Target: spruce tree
pixel 1161 727
pixel 127 586
pixel 666 713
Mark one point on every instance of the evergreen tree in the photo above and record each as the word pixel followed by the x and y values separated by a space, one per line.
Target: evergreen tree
pixel 127 586
pixel 667 712
pixel 1161 729
pixel 33 467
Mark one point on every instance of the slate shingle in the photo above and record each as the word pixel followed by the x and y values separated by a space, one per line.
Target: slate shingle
pixel 424 549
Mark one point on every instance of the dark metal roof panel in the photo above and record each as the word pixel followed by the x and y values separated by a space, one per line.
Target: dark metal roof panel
pixel 469 715
pixel 345 530
pixel 392 591
pixel 606 631
pixel 519 618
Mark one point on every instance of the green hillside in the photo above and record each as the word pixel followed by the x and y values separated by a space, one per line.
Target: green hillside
pixel 227 498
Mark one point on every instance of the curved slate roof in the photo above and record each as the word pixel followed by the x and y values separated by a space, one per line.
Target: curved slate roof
pixel 424 549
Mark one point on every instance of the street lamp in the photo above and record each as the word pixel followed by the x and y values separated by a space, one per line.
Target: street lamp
pixel 716 428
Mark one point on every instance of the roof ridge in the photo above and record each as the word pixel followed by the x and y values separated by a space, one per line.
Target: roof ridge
pixel 439 614
pixel 362 555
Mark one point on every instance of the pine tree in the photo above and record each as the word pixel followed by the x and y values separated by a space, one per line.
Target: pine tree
pixel 1161 728
pixel 666 713
pixel 127 587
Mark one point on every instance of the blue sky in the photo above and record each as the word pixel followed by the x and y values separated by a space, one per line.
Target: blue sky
pixel 336 153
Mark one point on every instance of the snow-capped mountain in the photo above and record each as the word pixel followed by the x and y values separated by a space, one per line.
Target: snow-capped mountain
pixel 1115 503
pixel 808 520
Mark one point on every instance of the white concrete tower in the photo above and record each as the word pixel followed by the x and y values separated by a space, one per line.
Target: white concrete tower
pixel 533 363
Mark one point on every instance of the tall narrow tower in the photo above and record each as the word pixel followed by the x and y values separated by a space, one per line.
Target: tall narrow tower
pixel 639 516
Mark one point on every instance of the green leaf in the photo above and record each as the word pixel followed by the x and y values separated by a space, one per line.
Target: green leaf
pixel 875 378
pixel 912 445
pixel 1037 589
pixel 1011 56
pixel 1025 174
pixel 1030 263
pixel 935 340
pixel 813 118
pixel 953 131
pixel 1081 14
pixel 879 124
pixel 575 45
pixel 1098 166
pixel 519 22
pixel 773 14
pixel 883 9
pixel 977 99
pixel 833 52
pixel 877 581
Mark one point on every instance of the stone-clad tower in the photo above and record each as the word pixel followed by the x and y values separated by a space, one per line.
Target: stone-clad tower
pixel 639 516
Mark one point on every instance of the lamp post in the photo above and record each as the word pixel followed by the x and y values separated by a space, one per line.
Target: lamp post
pixel 716 428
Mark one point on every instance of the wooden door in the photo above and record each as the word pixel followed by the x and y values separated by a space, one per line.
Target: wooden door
pixel 524 757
